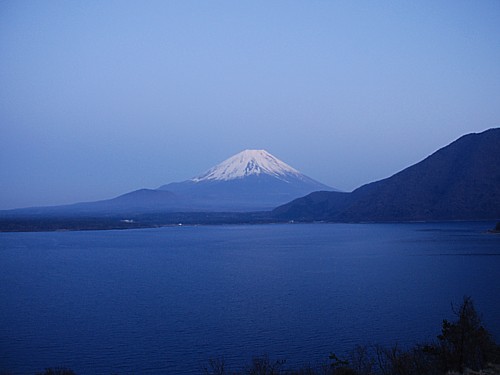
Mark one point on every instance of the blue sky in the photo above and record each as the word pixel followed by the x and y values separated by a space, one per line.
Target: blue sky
pixel 98 98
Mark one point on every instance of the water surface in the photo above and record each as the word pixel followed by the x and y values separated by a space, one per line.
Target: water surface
pixel 166 300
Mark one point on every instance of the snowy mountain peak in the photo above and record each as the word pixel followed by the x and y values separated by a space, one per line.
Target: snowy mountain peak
pixel 247 163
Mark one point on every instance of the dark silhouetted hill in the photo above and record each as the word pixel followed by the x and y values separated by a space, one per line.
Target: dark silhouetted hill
pixel 458 182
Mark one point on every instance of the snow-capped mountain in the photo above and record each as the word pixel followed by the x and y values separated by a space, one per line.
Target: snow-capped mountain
pixel 248 163
pixel 248 181
pixel 253 180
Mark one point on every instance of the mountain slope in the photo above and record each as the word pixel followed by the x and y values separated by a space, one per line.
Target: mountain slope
pixel 250 180
pixel 458 182
pixel 249 163
pixel 143 200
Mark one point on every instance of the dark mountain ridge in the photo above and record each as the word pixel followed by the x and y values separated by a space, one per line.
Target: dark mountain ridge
pixel 458 182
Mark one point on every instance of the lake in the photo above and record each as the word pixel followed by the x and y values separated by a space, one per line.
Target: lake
pixel 165 300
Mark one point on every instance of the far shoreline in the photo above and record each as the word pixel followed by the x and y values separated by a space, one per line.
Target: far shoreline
pixel 182 219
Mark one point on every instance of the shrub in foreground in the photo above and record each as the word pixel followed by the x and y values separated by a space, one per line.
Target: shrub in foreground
pixel 463 345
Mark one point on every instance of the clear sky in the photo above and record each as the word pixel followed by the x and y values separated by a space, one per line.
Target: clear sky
pixel 98 98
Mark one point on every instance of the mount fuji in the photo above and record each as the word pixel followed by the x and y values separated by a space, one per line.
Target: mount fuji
pixel 253 180
pixel 248 181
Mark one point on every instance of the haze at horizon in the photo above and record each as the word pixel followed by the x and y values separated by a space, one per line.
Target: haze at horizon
pixel 98 99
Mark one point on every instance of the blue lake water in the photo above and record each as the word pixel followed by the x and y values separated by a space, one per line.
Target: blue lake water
pixel 164 301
